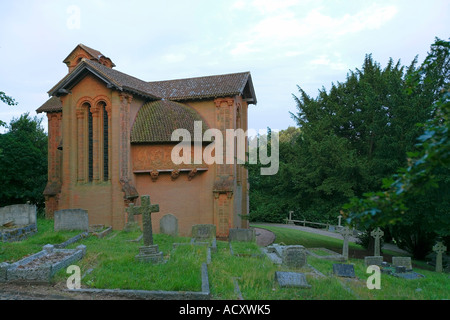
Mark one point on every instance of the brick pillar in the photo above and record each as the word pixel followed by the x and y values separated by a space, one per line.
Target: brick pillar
pixel 224 180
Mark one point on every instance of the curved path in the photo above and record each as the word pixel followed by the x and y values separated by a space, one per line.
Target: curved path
pixel 264 238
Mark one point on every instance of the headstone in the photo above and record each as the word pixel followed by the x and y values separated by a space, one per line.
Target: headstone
pixel 19 214
pixel 346 233
pixel 402 262
pixel 244 235
pixel 71 219
pixel 377 234
pixel 290 217
pixel 409 275
pixel 169 225
pixel 203 232
pixel 344 270
pixel 439 248
pixel 373 261
pixel 339 220
pixel 132 224
pixel 146 209
pixel 149 252
pixel 291 280
pixel 294 256
pixel 400 269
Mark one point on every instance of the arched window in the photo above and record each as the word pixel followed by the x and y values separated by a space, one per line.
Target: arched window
pixel 94 137
pixel 105 132
pixel 90 146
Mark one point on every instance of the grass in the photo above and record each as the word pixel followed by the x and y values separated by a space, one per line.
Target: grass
pixel 309 240
pixel 112 265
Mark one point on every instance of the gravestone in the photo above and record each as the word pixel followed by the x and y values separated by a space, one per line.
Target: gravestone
pixel 132 224
pixel 149 252
pixel 291 280
pixel 346 233
pixel 377 234
pixel 344 270
pixel 244 235
pixel 409 275
pixel 19 214
pixel 400 269
pixel 41 266
pixel 17 222
pixel 439 248
pixel 203 232
pixel 71 219
pixel 402 262
pixel 294 256
pixel 373 260
pixel 169 225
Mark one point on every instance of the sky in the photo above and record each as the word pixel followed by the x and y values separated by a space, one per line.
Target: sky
pixel 283 43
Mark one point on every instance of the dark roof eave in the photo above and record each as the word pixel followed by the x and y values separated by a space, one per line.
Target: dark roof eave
pixel 252 90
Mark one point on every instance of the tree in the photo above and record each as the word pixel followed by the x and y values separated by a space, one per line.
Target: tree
pixel 23 162
pixel 9 101
pixel 354 135
pixel 272 196
pixel 415 200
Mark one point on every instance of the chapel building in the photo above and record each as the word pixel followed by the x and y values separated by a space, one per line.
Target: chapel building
pixel 110 142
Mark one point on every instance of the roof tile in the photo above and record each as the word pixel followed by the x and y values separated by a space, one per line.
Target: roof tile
pixel 51 105
pixel 156 121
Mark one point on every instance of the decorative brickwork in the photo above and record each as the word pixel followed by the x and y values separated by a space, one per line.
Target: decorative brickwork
pixel 109 141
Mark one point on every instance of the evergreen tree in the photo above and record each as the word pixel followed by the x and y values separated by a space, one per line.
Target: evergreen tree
pixel 23 162
pixel 354 135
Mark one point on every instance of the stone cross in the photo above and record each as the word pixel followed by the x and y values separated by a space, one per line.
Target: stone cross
pixel 439 248
pixel 346 233
pixel 377 234
pixel 146 209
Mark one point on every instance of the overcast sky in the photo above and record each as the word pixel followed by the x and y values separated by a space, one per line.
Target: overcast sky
pixel 283 43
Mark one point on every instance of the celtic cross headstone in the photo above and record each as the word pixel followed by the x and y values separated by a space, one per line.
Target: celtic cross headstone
pixel 439 248
pixel 377 234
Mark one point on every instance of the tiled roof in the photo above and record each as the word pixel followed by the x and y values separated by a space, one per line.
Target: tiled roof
pixel 202 87
pixel 156 121
pixel 208 87
pixel 94 53
pixel 51 105
pixel 114 78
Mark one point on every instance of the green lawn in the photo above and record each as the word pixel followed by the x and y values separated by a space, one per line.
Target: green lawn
pixel 111 264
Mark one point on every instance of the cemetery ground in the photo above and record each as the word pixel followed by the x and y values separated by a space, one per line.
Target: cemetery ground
pixel 235 272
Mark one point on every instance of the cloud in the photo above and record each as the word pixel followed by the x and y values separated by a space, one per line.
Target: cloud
pixel 287 30
pixel 334 63
pixel 270 6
